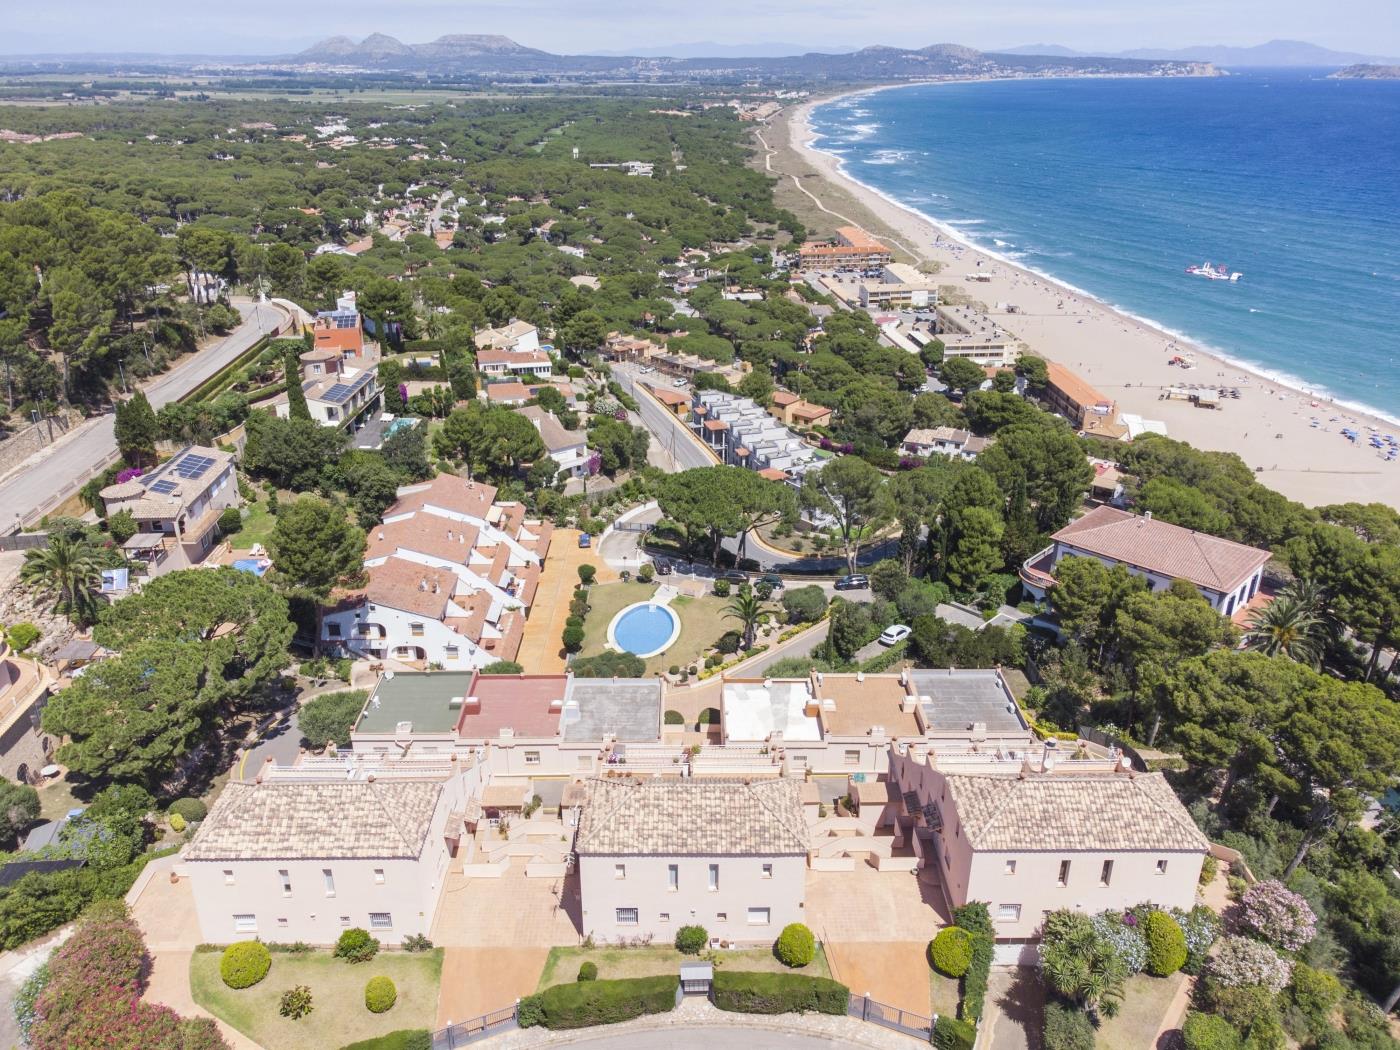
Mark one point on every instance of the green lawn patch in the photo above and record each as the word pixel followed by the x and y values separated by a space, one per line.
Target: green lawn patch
pixel 617 963
pixel 1145 1003
pixel 703 620
pixel 338 1017
pixel 257 527
pixel 943 994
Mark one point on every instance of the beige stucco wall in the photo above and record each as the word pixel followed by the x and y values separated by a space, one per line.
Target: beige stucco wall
pixel 409 891
pixel 742 885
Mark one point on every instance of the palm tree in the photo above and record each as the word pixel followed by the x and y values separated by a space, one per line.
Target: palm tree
pixel 747 609
pixel 1087 970
pixel 69 571
pixel 1289 627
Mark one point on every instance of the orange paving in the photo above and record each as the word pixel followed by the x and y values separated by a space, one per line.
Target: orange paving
pixel 476 981
pixel 891 972
pixel 541 646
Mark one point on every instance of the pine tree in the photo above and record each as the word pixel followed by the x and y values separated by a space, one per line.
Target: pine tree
pixel 1021 538
pixel 136 430
pixel 296 398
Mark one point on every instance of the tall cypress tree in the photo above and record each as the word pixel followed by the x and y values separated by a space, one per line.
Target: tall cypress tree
pixel 136 430
pixel 296 398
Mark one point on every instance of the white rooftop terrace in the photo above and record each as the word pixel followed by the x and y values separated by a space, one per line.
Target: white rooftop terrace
pixel 755 710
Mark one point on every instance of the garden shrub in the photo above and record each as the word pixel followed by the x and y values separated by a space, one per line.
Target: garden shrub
pixel 380 994
pixel 795 947
pixel 177 822
pixel 951 951
pixel 403 1039
pixel 417 942
pixel 586 573
pixel 691 939
pixel 674 718
pixel 507 666
pixel 974 917
pixel 231 520
pixel 1122 930
pixel 1240 962
pixel 778 993
pixel 573 639
pixel 588 971
pixel 1314 994
pixel 588 1003
pixel 1201 927
pixel 721 588
pixel 1210 867
pixel 191 809
pixel 1166 944
pixel 244 964
pixel 1209 1032
pixel 1278 915
pixel 296 1002
pixel 1067 1028
pixel 356 945
pixel 951 1034
pixel 804 604
pixel 974 990
pixel 728 642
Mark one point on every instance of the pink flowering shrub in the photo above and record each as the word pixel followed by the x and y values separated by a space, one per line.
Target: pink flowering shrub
pixel 1275 913
pixel 1239 962
pixel 129 473
pixel 93 997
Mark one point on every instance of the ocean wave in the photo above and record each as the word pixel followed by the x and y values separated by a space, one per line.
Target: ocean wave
pixel 860 132
pixel 887 156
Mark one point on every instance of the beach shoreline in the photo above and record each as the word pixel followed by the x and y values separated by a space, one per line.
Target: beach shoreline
pixel 1126 357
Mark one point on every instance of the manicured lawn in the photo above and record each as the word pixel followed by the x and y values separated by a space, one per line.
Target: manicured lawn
pixel 338 1015
pixel 1145 1003
pixel 702 622
pixel 562 965
pixel 943 994
pixel 257 527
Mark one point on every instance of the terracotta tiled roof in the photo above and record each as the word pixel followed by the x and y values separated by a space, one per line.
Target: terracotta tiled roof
pixel 552 432
pixel 290 820
pixel 410 587
pixel 511 357
pixel 1073 387
pixel 1163 548
pixel 698 817
pixel 448 491
pixel 425 534
pixel 511 391
pixel 782 398
pixel 1068 811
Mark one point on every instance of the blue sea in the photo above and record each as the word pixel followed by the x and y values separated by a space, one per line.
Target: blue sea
pixel 1115 186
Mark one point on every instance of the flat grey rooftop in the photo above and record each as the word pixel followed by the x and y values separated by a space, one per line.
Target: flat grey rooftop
pixel 629 708
pixel 960 698
pixel 421 697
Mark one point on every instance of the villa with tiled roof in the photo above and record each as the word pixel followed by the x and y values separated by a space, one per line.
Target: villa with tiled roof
pixel 656 854
pixel 451 576
pixel 304 859
pixel 1227 574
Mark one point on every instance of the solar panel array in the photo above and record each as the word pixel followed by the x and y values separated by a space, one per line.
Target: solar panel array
pixel 342 391
pixel 192 466
pixel 164 487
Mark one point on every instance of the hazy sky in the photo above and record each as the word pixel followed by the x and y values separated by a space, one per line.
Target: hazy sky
pixel 576 26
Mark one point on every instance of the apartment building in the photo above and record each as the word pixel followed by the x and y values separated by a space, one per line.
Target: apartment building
pixel 742 433
pixel 309 852
pixel 899 287
pixel 176 506
pixel 1042 831
pixel 451 575
pixel 1075 399
pixel 1227 574
pixel 851 247
pixel 724 853
pixel 966 332
pixel 795 411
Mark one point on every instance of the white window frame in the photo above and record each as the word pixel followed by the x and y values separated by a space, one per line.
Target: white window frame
pixel 619 871
pixel 381 920
pixel 328 877
pixel 286 878
pixel 766 918
pixel 379 876
pixel 1062 879
pixel 627 916
pixel 1106 873
pixel 1162 866
pixel 766 871
pixel 1010 868
pixel 713 884
pixel 673 877
pixel 245 923
pixel 1008 913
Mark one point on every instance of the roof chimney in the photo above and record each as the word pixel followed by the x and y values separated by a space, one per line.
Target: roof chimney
pixel 1147 514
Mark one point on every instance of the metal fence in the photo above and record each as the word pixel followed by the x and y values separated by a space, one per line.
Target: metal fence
pixel 891 1017
pixel 23 541
pixel 468 1032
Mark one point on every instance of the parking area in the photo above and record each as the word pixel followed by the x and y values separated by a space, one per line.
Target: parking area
pixel 876 927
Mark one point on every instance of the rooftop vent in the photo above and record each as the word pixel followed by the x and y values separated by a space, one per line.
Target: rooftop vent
pixel 403 728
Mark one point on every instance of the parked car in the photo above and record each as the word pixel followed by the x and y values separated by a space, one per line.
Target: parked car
pixel 679 382
pixel 585 540
pixel 733 576
pixel 772 579
pixel 894 634
pixel 856 581
pixel 663 568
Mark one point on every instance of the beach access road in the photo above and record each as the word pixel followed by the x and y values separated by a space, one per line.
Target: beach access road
pixel 56 471
pixel 671 434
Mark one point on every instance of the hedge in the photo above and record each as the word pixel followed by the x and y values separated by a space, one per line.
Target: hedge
pixel 951 1034
pixel 244 964
pixel 745 992
pixel 1067 1028
pixel 1166 944
pixel 582 1005
pixel 403 1039
pixel 380 994
pixel 974 989
pixel 192 809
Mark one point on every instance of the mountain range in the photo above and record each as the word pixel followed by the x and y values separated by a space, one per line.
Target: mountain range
pixel 1275 54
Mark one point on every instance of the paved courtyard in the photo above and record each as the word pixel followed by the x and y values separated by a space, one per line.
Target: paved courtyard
pixel 876 927
pixel 541 648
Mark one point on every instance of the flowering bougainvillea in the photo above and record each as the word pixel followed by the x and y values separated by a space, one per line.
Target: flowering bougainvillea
pixel 1242 961
pixel 1278 915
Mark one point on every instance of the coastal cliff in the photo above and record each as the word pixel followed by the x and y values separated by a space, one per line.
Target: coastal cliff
pixel 1366 71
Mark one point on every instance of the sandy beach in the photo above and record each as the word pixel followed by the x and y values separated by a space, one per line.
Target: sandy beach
pixel 1291 438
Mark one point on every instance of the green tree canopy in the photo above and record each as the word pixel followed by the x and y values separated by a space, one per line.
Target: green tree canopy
pixel 314 547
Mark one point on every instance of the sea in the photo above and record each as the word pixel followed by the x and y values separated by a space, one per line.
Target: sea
pixel 1115 186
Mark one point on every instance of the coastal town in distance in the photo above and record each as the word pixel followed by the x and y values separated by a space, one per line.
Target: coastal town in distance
pixel 623 543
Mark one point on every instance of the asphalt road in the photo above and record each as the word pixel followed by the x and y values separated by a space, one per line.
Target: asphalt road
pixel 83 452
pixel 670 433
pixel 705 1039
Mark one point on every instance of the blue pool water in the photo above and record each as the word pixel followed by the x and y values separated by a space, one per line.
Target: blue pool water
pixel 254 565
pixel 396 425
pixel 1115 186
pixel 644 628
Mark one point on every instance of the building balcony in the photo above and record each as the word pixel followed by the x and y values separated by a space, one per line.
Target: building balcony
pixel 1035 573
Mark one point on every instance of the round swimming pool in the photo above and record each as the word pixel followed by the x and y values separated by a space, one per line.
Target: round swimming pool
pixel 644 629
